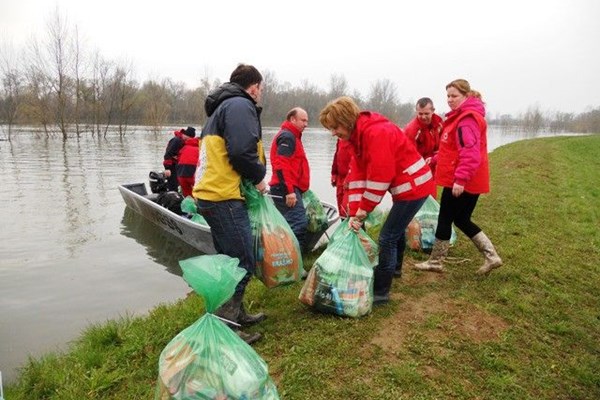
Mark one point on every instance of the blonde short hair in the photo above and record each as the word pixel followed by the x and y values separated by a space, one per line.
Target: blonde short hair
pixel 342 111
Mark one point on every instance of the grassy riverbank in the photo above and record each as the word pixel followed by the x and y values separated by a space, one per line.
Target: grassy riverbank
pixel 531 330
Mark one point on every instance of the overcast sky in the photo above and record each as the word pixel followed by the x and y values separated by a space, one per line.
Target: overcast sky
pixel 517 53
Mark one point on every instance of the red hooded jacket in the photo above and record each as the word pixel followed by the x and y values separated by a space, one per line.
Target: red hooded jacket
pixel 384 161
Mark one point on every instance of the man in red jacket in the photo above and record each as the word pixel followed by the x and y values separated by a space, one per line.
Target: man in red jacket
pixel 291 174
pixel 424 132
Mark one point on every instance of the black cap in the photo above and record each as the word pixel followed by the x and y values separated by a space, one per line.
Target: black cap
pixel 190 131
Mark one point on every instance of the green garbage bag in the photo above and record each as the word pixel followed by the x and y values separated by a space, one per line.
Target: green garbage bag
pixel 276 249
pixel 188 206
pixel 208 360
pixel 315 213
pixel 375 219
pixel 427 218
pixel 371 247
pixel 341 279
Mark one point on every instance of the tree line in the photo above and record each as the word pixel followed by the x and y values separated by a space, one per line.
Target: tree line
pixel 56 85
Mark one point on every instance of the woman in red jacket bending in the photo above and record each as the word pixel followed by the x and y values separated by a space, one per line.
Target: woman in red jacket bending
pixel 463 172
pixel 383 161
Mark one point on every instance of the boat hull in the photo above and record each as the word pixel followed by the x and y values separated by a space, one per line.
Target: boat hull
pixel 199 236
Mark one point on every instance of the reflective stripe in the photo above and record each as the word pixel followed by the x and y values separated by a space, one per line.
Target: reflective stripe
pixel 415 167
pixel 354 197
pixel 378 185
pixel 423 178
pixel 372 196
pixel 357 184
pixel 405 187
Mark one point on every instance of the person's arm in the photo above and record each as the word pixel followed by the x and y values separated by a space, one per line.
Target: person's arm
pixel 241 134
pixel 282 163
pixel 468 136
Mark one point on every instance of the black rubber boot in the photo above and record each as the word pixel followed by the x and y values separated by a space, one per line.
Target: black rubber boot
pixel 245 319
pixel 381 286
pixel 230 311
pixel 248 337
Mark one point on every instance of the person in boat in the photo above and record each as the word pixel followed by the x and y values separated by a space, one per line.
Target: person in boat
pixel 232 150
pixel 187 161
pixel 383 161
pixel 171 157
pixel 291 173
pixel 339 171
pixel 463 173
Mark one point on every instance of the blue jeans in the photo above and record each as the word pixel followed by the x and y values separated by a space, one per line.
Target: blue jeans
pixel 295 216
pixel 393 232
pixel 231 232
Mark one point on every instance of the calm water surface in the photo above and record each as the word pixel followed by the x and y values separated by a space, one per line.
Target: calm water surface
pixel 72 255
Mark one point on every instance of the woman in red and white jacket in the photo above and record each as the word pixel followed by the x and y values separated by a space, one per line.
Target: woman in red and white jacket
pixel 384 160
pixel 463 172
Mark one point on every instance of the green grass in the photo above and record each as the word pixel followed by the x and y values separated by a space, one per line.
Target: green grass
pixel 531 330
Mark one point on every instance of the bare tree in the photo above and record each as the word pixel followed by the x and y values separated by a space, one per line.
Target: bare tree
pixel 383 98
pixel 125 90
pixel 78 69
pixel 155 98
pixel 12 81
pixel 338 86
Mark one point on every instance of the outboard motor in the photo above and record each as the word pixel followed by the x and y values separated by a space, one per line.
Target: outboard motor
pixel 158 182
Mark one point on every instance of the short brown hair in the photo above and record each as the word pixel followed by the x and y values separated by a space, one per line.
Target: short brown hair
pixel 245 75
pixel 341 111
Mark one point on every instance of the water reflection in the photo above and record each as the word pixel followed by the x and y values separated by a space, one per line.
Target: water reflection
pixel 160 245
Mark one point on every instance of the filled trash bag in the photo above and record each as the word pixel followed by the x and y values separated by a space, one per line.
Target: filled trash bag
pixel 276 249
pixel 424 225
pixel 315 213
pixel 371 247
pixel 208 360
pixel 341 279
pixel 375 219
pixel 188 207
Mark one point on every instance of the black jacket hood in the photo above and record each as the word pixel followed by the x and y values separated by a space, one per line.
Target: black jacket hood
pixel 222 93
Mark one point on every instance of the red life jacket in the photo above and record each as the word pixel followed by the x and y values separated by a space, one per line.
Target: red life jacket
pixel 448 155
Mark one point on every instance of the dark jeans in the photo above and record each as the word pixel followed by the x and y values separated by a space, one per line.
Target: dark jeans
pixel 393 233
pixel 457 210
pixel 231 233
pixel 295 216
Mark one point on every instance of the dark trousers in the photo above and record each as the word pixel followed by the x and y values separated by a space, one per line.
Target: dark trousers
pixel 295 216
pixel 231 232
pixel 392 233
pixel 457 210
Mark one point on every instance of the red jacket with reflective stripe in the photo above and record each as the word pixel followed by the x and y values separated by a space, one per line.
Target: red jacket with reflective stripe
pixel 384 161
pixel 288 159
pixel 463 157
